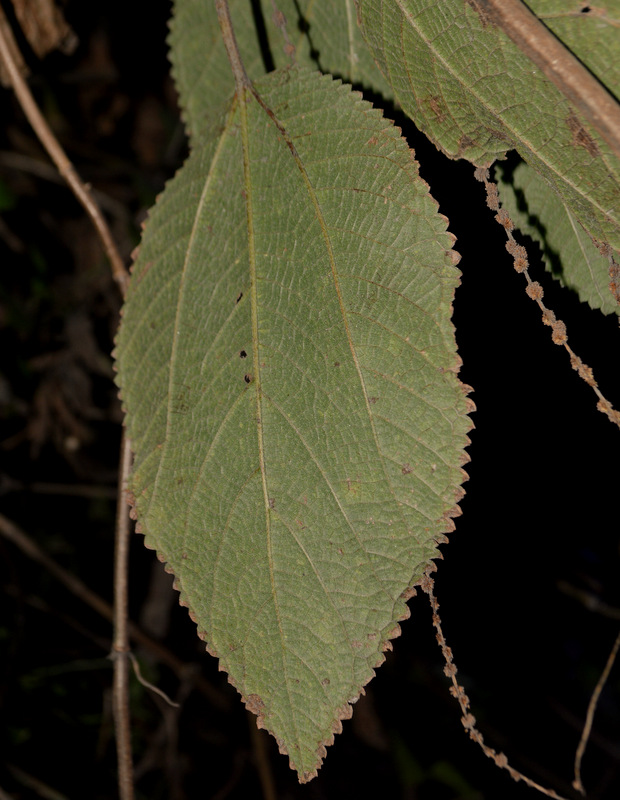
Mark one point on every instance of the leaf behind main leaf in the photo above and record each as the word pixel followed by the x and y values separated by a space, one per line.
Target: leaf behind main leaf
pixel 324 33
pixel 477 95
pixel 567 250
pixel 288 367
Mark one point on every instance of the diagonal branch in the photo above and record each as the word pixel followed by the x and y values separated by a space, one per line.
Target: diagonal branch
pixel 59 157
pixel 13 533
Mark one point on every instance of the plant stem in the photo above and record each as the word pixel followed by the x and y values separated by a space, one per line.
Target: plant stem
pixel 120 646
pixel 65 167
pixel 577 784
pixel 457 691
pixel 24 542
pixel 241 77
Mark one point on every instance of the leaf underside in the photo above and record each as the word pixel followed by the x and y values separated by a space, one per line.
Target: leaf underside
pixel 477 96
pixel 324 34
pixel 567 250
pixel 288 367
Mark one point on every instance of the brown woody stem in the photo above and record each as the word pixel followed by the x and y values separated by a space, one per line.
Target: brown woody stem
pixel 241 77
pixel 120 645
pixel 62 162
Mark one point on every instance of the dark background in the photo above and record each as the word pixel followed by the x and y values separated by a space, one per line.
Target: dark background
pixel 539 514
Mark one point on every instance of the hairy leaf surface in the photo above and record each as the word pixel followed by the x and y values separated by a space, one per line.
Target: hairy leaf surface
pixel 324 34
pixel 476 95
pixel 288 366
pixel 568 252
pixel 590 32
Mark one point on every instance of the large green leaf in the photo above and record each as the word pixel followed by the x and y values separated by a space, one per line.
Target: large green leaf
pixel 568 252
pixel 476 95
pixel 288 367
pixel 324 33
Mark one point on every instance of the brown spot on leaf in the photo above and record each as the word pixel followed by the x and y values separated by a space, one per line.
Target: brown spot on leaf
pixel 255 704
pixel 373 140
pixel 406 470
pixel 436 108
pixel 243 354
pixel 482 10
pixel 581 138
pixel 247 378
pixel 465 142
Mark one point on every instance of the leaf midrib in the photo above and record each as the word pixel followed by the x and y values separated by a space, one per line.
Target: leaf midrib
pixel 343 312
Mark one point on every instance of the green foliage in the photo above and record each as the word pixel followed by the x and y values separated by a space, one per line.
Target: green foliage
pixel 323 33
pixel 286 358
pixel 477 96
pixel 568 252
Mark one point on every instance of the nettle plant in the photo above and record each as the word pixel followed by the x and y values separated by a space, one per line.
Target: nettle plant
pixel 286 357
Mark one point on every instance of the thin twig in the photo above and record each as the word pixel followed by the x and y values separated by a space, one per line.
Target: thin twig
pixel 589 600
pixel 587 728
pixel 20 538
pixel 47 172
pixel 65 167
pixel 15 534
pixel 457 691
pixel 120 646
pixel 261 758
pixel 568 74
pixel 42 790
pixel 147 684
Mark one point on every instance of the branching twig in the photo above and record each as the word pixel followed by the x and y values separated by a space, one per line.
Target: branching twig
pixel 20 538
pixel 147 684
pixel 457 691
pixel 84 195
pixel 577 784
pixel 59 157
